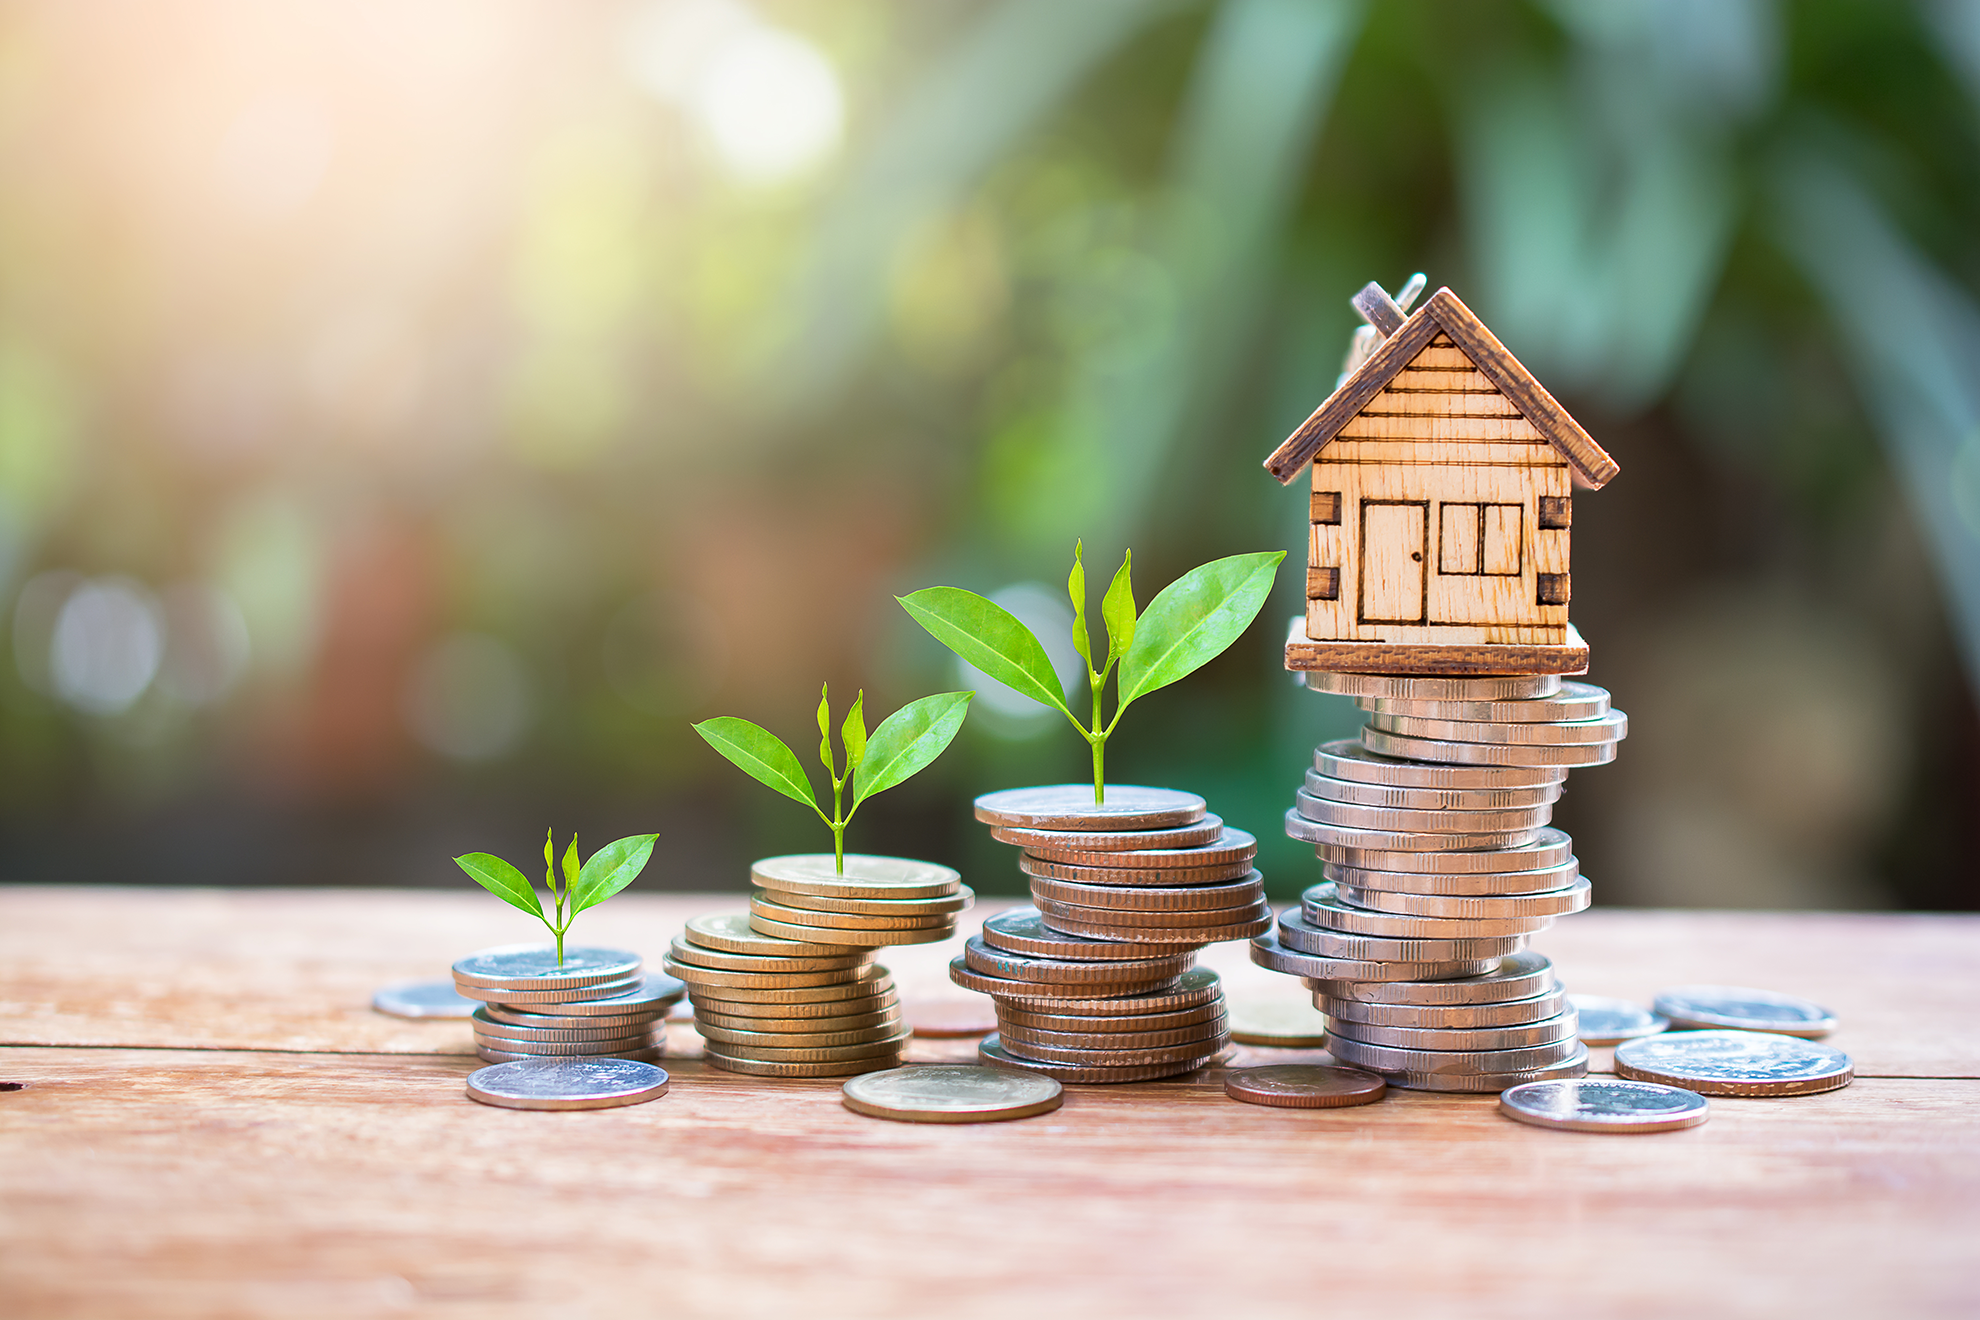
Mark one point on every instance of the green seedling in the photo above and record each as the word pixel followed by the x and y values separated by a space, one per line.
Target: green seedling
pixel 1191 622
pixel 903 745
pixel 602 875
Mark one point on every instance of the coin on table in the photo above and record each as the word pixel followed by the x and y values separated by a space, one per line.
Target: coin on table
pixel 731 932
pixel 1400 687
pixel 1180 836
pixel 1485 1083
pixel 536 967
pixel 1287 1024
pixel 1741 1063
pixel 1575 701
pixel 1607 1021
pixel 567 1084
pixel 1518 976
pixel 992 1051
pixel 424 999
pixel 1071 807
pixel 1304 1086
pixel 1602 729
pixel 1464 753
pixel 952 1093
pixel 1736 1008
pixel 1601 1104
pixel 864 876
pixel 490 1054
pixel 1345 758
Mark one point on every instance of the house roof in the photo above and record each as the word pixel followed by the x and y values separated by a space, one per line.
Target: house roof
pixel 1444 312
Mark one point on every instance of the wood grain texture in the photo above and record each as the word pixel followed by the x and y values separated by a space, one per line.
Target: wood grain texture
pixel 168 1182
pixel 1430 657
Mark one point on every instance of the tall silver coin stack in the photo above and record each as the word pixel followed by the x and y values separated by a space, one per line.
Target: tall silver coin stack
pixel 790 988
pixel 595 1003
pixel 1438 864
pixel 1094 982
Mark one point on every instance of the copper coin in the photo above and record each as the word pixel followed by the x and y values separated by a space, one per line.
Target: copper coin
pixel 1304 1086
pixel 1071 807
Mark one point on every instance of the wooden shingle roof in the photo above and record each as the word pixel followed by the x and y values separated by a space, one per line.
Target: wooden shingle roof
pixel 1446 314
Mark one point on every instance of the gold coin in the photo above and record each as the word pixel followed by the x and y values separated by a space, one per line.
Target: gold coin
pixel 948 905
pixel 719 960
pixel 770 925
pixel 865 876
pixel 730 932
pixel 952 1093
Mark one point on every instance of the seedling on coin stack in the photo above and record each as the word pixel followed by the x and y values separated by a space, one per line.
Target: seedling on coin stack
pixel 790 988
pixel 1437 596
pixel 547 1002
pixel 1094 983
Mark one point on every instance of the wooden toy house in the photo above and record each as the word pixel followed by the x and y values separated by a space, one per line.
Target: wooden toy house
pixel 1441 505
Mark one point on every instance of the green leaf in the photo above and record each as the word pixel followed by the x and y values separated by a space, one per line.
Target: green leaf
pixel 760 754
pixel 1076 588
pixel 1193 620
pixel 502 880
pixel 1117 608
pixel 909 739
pixel 570 863
pixel 609 870
pixel 825 730
pixel 853 732
pixel 989 637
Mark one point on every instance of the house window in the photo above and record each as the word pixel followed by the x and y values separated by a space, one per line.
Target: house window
pixel 1480 540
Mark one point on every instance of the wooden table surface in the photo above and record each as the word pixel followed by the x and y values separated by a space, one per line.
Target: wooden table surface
pixel 211 1122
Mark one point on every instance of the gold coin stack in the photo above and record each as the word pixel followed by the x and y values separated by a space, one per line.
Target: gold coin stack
pixel 790 988
pixel 1439 864
pixel 1094 983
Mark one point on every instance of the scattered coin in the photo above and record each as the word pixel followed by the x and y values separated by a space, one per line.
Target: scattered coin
pixel 1304 1086
pixel 424 999
pixel 1289 1024
pixel 952 1093
pixel 1071 807
pixel 1737 1008
pixel 1599 1104
pixel 1613 1021
pixel 567 1084
pixel 1739 1063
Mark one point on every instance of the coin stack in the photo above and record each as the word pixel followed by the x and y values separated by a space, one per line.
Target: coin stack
pixel 1094 982
pixel 790 988
pixel 1438 865
pixel 594 1003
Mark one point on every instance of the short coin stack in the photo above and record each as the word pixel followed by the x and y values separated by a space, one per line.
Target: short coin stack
pixel 1438 865
pixel 596 1003
pixel 1094 983
pixel 790 988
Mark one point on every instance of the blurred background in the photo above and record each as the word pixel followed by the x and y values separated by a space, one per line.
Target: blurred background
pixel 413 415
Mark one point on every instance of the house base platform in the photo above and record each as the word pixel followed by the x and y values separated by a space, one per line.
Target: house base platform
pixel 1467 660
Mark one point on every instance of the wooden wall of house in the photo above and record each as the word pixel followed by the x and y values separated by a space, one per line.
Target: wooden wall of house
pixel 1439 514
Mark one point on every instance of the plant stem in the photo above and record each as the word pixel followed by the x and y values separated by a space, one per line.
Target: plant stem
pixel 1097 737
pixel 838 827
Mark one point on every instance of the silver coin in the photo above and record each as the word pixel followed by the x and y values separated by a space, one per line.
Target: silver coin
pixel 1004 987
pixel 1023 1016
pixel 1338 836
pixel 1550 848
pixel 1553 903
pixel 489 1054
pixel 1745 1063
pixel 534 1046
pixel 1354 815
pixel 1040 869
pixel 1737 1008
pixel 1520 976
pixel 731 932
pixel 1575 701
pixel 1230 846
pixel 1076 921
pixel 423 999
pixel 1348 759
pixel 1046 842
pixel 655 990
pixel 1607 729
pixel 575 995
pixel 535 967
pixel 991 1050
pixel 1071 807
pixel 1218 1028
pixel 1613 1021
pixel 1132 921
pixel 1548 1031
pixel 1392 1059
pixel 1023 930
pixel 1429 799
pixel 1268 950
pixel 567 1084
pixel 987 961
pixel 1575 1065
pixel 765 904
pixel 721 960
pixel 1299 932
pixel 1323 906
pixel 601 1029
pixel 946 905
pixel 952 1093
pixel 623 1024
pixel 1602 1104
pixel 1447 1017
pixel 863 875
pixel 1447 752
pixel 1499 687
pixel 1467 885
pixel 1197 1052
pixel 1240 893
pixel 1196 988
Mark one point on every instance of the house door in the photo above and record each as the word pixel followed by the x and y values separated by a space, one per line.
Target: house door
pixel 1394 542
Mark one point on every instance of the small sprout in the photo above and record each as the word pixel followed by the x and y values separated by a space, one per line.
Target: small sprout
pixel 604 874
pixel 1190 623
pixel 903 745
